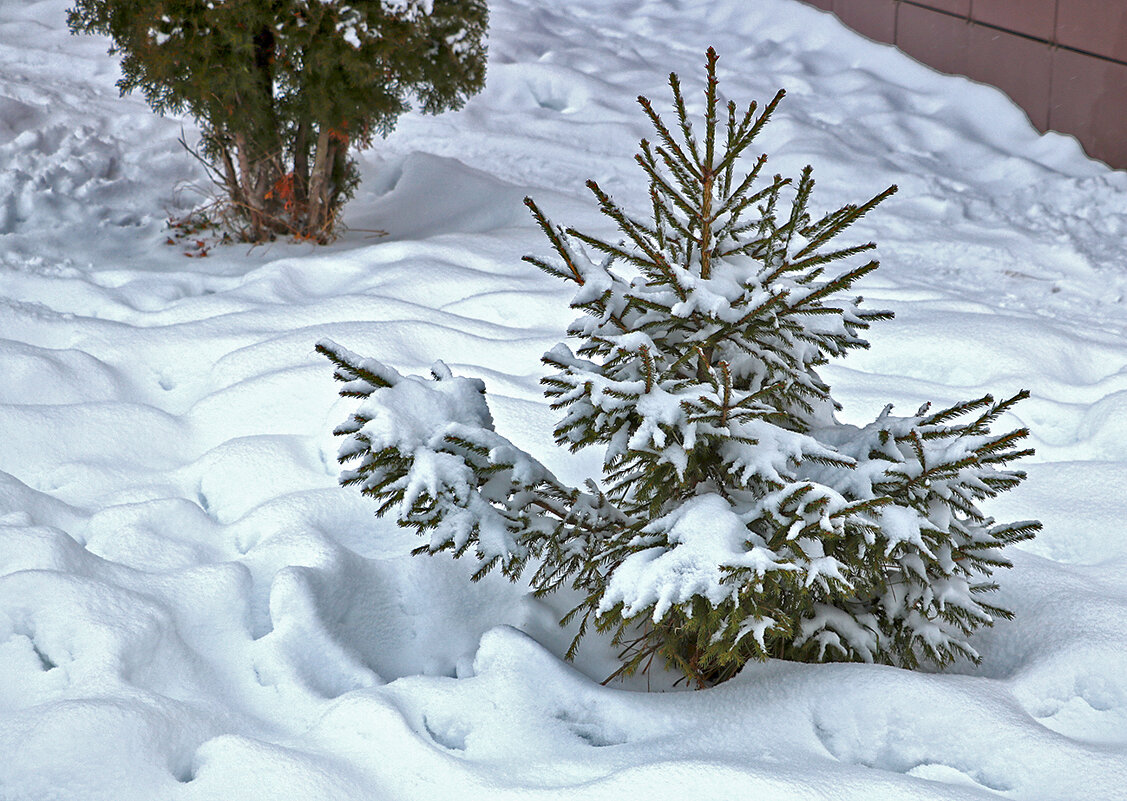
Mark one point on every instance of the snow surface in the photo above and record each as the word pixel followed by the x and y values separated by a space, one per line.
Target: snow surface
pixel 191 608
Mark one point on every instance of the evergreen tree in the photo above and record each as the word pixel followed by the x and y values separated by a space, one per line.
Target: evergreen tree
pixel 737 518
pixel 283 88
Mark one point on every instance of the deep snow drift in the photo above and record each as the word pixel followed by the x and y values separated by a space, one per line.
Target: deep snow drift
pixel 190 608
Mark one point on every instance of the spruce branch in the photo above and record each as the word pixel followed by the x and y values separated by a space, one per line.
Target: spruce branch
pixel 557 244
pixel 671 145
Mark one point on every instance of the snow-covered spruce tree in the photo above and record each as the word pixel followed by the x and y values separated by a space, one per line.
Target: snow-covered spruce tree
pixel 283 88
pixel 737 519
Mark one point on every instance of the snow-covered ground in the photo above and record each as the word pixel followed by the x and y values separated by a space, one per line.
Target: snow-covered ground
pixel 191 608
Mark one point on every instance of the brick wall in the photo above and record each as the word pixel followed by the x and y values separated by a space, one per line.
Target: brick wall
pixel 1063 61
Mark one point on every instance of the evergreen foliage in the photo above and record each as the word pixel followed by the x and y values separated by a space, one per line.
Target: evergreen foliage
pixel 737 519
pixel 283 88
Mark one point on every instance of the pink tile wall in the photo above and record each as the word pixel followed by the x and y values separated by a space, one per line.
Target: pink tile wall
pixel 1028 48
pixel 1089 100
pixel 1031 17
pixel 1094 26
pixel 934 38
pixel 960 7
pixel 874 18
pixel 1020 67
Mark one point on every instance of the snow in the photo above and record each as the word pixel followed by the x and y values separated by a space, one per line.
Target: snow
pixel 708 535
pixel 191 607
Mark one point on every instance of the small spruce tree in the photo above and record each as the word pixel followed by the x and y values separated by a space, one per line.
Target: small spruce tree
pixel 737 519
pixel 283 88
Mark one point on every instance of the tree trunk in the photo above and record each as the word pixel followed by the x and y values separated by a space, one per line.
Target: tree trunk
pixel 339 176
pixel 258 149
pixel 301 172
pixel 704 360
pixel 230 174
pixel 252 201
pixel 322 192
